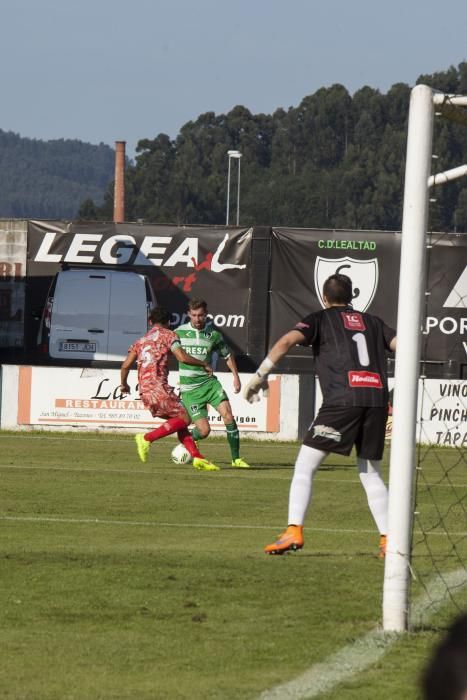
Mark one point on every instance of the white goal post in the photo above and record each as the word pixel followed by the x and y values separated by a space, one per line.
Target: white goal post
pixel 412 279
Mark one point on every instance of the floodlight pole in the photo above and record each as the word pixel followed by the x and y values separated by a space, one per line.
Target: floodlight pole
pixel 238 192
pixel 409 316
pixel 228 195
pixel 237 155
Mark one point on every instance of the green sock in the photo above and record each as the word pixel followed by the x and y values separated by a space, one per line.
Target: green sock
pixel 196 435
pixel 233 439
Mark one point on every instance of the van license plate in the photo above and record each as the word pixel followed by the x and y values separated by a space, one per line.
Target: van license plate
pixel 77 347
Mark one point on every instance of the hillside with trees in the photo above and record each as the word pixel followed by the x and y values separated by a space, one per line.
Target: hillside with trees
pixel 335 161
pixel 50 179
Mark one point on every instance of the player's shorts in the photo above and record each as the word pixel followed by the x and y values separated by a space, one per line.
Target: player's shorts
pixel 338 428
pixel 162 402
pixel 196 401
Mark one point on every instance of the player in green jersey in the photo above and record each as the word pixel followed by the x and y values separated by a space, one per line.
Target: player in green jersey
pixel 197 389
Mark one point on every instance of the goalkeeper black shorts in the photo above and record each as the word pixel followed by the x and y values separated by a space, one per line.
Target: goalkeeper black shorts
pixel 338 428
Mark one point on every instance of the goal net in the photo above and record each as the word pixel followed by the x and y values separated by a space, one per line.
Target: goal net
pixel 439 538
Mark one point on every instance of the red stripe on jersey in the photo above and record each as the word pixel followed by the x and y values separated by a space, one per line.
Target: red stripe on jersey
pixel 364 379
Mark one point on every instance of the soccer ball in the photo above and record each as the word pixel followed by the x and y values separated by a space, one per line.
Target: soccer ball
pixel 180 455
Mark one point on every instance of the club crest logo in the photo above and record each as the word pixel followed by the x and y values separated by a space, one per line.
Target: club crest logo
pixel 363 273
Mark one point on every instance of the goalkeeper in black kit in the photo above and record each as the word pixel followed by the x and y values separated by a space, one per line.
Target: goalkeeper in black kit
pixel 349 349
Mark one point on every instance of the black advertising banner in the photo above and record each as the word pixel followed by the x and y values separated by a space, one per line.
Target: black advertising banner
pixel 257 282
pixel 445 329
pixel 302 259
pixel 178 263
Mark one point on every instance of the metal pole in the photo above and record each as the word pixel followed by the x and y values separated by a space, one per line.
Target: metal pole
pixel 228 196
pixel 411 293
pixel 238 193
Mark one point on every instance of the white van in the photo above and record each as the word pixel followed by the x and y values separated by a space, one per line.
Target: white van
pixel 95 314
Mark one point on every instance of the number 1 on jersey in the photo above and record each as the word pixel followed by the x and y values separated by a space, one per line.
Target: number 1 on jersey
pixel 362 349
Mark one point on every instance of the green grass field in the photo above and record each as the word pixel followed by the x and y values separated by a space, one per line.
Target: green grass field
pixel 132 582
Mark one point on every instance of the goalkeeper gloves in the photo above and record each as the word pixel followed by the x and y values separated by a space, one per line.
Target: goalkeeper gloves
pixel 259 382
pixel 254 386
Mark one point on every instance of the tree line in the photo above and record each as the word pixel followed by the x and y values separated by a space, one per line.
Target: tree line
pixel 50 179
pixel 335 161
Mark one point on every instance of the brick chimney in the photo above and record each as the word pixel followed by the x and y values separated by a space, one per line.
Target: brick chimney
pixel 119 187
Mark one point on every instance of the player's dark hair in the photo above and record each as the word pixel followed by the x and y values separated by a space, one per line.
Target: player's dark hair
pixel 445 677
pixel 338 289
pixel 160 315
pixel 197 303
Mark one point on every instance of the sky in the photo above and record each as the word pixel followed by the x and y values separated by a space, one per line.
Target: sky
pixel 108 70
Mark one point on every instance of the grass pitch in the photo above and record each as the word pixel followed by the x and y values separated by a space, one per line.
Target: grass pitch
pixel 131 581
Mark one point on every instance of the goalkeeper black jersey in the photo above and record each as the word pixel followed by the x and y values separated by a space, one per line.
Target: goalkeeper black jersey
pixel 350 355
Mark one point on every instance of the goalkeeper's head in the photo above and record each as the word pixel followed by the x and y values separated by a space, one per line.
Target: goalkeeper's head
pixel 337 290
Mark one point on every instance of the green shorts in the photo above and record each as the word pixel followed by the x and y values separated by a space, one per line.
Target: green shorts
pixel 196 401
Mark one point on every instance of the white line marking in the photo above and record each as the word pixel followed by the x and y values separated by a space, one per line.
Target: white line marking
pixel 228 473
pixel 364 652
pixel 148 523
pixel 213 526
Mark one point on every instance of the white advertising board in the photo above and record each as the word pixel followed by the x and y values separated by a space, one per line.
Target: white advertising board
pixel 442 412
pixel 91 398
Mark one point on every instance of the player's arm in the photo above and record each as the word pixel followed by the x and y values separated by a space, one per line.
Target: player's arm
pixel 125 367
pixel 283 345
pixel 390 339
pixel 221 348
pixel 277 352
pixel 232 365
pixel 187 359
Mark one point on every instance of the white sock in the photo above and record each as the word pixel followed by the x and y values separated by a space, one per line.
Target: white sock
pixel 376 491
pixel 307 463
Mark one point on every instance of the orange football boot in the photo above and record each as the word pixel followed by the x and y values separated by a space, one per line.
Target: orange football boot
pixel 291 539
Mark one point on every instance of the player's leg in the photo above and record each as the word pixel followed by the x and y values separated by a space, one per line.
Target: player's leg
pixel 199 461
pixel 195 404
pixel 201 430
pixel 162 403
pixel 219 400
pixel 167 406
pixel 233 436
pixel 306 465
pixel 376 492
pixel 333 430
pixel 370 447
